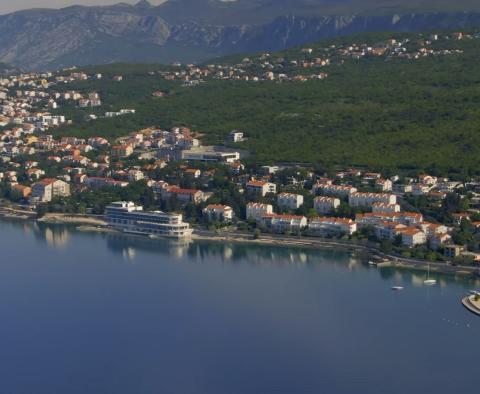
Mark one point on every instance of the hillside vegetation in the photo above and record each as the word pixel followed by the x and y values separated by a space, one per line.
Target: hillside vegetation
pixel 385 114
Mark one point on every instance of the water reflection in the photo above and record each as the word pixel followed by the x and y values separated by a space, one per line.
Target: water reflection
pixel 127 247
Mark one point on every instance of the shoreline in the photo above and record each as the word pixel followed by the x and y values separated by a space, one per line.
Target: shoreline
pixel 91 223
pixel 384 260
pixel 52 218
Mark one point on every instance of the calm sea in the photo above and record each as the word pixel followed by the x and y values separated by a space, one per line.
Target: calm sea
pixel 101 313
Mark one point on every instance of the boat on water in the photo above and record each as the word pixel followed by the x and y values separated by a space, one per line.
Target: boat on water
pixel 428 281
pixel 397 288
pixel 372 263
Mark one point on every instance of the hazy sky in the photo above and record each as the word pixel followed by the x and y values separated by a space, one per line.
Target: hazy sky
pixel 14 5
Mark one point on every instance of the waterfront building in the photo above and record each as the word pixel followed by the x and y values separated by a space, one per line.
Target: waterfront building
pixel 374 218
pixel 130 218
pixel 283 223
pixel 220 213
pixel 412 236
pixel 327 225
pixel 46 189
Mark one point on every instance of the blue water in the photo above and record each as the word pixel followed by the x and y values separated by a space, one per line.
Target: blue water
pixel 97 313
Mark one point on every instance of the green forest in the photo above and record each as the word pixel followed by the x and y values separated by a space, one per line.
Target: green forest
pixel 398 114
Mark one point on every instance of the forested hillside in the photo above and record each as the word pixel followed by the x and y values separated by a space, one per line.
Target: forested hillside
pixel 419 113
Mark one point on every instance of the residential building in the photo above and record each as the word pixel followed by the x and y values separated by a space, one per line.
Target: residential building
pixel 374 218
pixel 219 213
pixel 122 150
pixel 384 185
pixel 46 189
pixel 358 199
pixel 328 225
pixel 284 223
pixel 380 207
pixel 324 205
pixel 412 236
pixel 100 182
pixel 182 195
pixel 289 201
pixel 333 190
pixel 20 191
pixel 236 136
pixel 260 188
pixel 257 210
pixel 452 251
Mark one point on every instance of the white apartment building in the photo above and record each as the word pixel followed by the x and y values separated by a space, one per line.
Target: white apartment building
pixel 358 199
pixel 289 201
pixel 284 223
pixel 46 189
pixel 261 188
pixel 412 236
pixel 325 204
pixel 384 185
pixel 220 213
pixel 380 207
pixel 256 210
pixel 236 136
pixel 334 190
pixel 374 218
pixel 332 225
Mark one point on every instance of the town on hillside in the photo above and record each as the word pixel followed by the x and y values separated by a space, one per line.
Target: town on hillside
pixel 418 215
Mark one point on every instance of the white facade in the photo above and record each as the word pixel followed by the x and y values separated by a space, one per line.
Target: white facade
pixel 289 201
pixel 368 199
pixel 261 188
pixel 334 190
pixel 257 210
pixel 412 236
pixel 130 218
pixel 284 223
pixel 384 185
pixel 380 207
pixel 325 205
pixel 221 213
pixel 236 136
pixel 332 225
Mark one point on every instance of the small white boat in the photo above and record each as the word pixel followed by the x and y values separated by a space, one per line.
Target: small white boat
pixel 428 281
pixel 397 288
pixel 372 263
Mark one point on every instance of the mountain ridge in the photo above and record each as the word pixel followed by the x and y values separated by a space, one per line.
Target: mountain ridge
pixel 193 31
